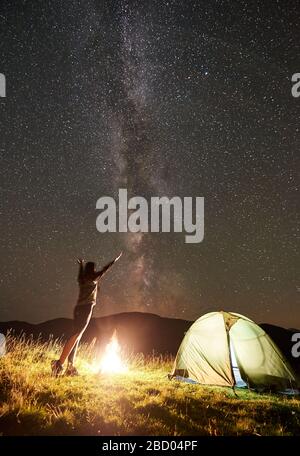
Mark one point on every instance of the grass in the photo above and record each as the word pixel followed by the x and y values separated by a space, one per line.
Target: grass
pixel 140 402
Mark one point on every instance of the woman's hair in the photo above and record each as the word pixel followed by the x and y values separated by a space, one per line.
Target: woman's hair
pixel 89 268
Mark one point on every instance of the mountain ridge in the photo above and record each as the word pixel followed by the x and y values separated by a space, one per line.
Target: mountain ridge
pixel 137 332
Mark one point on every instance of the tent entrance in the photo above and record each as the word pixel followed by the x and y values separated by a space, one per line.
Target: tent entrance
pixel 239 382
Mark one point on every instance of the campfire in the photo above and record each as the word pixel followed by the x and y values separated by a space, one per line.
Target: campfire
pixel 111 362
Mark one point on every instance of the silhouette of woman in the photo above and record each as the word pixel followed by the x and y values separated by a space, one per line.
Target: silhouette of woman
pixel 88 280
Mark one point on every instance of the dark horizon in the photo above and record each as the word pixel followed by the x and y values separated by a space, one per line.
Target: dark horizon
pixel 165 99
pixel 144 313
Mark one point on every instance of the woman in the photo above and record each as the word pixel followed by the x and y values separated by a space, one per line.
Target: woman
pixel 88 280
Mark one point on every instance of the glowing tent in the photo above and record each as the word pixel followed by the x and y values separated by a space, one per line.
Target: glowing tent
pixel 227 349
pixel 2 345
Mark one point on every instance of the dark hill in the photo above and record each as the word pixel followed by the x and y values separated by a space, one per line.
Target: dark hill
pixel 139 332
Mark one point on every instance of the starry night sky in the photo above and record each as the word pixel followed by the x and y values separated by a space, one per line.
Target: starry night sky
pixel 186 98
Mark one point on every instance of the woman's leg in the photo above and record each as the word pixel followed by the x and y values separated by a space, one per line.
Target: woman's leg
pixel 82 318
pixel 73 352
pixel 73 340
pixel 69 345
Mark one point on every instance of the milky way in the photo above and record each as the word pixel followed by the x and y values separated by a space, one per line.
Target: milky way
pixel 186 98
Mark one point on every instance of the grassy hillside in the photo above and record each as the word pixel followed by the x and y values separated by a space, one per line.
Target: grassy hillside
pixel 141 401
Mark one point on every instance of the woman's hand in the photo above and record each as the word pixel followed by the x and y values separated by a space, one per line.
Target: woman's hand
pixel 118 257
pixel 107 267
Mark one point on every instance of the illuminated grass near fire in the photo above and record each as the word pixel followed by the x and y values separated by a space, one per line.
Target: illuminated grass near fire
pixel 143 401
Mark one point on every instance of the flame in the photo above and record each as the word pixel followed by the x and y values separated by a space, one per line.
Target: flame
pixel 111 363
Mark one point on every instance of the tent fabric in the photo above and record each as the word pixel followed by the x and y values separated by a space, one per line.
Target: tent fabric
pixel 265 366
pixel 2 345
pixel 203 358
pixel 204 354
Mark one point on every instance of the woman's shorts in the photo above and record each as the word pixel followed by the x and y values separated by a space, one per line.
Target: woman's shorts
pixel 82 316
